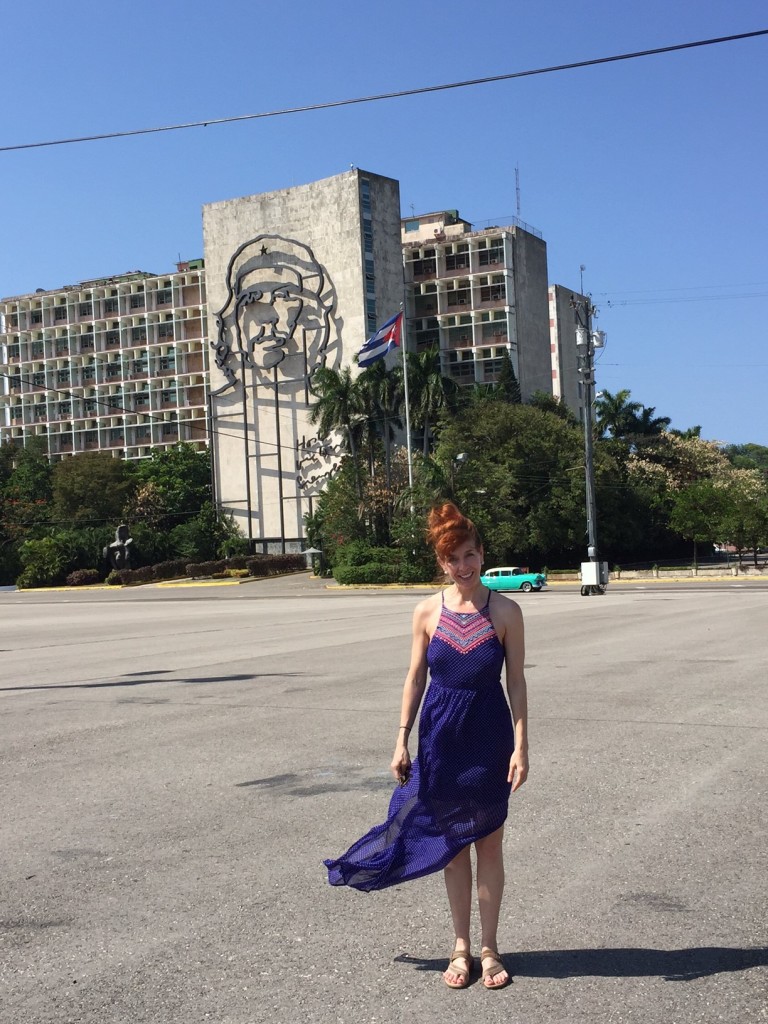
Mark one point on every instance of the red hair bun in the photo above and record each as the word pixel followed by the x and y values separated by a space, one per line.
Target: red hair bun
pixel 447 528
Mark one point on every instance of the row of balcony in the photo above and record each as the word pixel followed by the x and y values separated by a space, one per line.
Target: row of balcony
pixel 460 300
pixel 113 405
pixel 33 314
pixel 125 338
pixel 430 264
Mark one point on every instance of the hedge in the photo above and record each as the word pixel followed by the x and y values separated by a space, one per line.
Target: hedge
pixel 83 577
pixel 254 565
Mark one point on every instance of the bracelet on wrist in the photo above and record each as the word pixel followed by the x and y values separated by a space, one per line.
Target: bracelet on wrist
pixel 406 727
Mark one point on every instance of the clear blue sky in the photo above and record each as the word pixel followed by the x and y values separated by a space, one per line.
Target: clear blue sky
pixel 649 172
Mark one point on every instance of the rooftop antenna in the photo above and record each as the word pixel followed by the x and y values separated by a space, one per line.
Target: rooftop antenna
pixel 413 209
pixel 517 189
pixel 582 268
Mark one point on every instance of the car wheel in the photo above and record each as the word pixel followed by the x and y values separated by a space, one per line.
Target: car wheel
pixel 526 587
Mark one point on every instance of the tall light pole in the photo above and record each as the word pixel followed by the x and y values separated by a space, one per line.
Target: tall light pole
pixel 594 573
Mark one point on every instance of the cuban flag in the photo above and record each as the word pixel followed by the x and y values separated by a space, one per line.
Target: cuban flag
pixel 384 340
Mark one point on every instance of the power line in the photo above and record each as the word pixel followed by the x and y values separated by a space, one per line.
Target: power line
pixel 400 94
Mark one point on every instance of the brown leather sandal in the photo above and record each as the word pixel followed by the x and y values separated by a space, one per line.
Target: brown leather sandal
pixel 495 968
pixel 463 972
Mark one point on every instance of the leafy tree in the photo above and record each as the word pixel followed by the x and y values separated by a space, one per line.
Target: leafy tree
pixel 698 511
pixel 548 402
pixel 90 489
pixel 744 520
pixel 27 494
pixel 519 482
pixel 181 483
pixel 507 385
pixel 748 456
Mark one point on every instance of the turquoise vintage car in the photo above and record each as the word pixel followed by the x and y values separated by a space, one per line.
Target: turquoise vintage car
pixel 512 577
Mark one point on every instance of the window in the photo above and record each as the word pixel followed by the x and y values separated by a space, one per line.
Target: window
pixel 138 334
pixel 424 267
pixel 411 225
pixel 60 312
pixel 111 306
pixel 89 373
pixel 112 337
pixel 493 293
pixel 137 300
pixel 167 363
pixel 165 330
pixel 164 296
pixel 85 309
pixel 457 261
pixel 490 256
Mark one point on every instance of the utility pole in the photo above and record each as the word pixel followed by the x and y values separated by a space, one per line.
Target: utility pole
pixel 594 573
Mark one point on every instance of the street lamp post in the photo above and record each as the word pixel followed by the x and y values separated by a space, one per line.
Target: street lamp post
pixel 594 573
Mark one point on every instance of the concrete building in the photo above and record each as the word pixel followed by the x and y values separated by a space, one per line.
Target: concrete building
pixel 562 330
pixel 291 280
pixel 117 364
pixel 475 294
pixel 296 279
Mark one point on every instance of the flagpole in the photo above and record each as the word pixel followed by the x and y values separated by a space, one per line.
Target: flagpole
pixel 404 343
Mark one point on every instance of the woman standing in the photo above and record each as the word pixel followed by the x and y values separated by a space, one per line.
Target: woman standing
pixel 472 751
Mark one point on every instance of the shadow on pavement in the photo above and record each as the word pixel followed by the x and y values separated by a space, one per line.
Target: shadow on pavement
pixel 147 682
pixel 630 962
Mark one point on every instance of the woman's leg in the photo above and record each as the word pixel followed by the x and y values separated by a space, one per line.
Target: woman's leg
pixel 458 883
pixel 490 887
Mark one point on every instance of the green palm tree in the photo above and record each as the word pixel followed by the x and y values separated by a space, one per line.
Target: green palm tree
pixel 429 392
pixel 645 424
pixel 615 415
pixel 339 405
pixel 382 393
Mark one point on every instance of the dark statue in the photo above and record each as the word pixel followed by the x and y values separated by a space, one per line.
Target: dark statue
pixel 120 553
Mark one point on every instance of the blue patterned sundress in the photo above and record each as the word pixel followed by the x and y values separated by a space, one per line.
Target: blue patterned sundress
pixel 458 790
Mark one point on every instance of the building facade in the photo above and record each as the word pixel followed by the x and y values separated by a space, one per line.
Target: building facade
pixel 566 383
pixel 117 364
pixel 296 279
pixel 222 349
pixel 476 295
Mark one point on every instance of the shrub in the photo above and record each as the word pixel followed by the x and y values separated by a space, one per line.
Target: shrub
pixel 44 563
pixel 170 570
pixel 373 572
pixel 273 565
pixel 115 578
pixel 414 574
pixel 83 577
pixel 360 552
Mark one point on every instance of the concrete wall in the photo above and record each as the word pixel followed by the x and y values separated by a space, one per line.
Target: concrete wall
pixel 287 293
pixel 531 313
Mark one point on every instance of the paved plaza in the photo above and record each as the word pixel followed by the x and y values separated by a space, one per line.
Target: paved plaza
pixel 175 764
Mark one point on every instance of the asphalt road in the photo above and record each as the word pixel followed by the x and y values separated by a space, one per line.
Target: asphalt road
pixel 175 763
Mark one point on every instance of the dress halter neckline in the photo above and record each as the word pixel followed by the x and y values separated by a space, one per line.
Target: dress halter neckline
pixel 466 615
